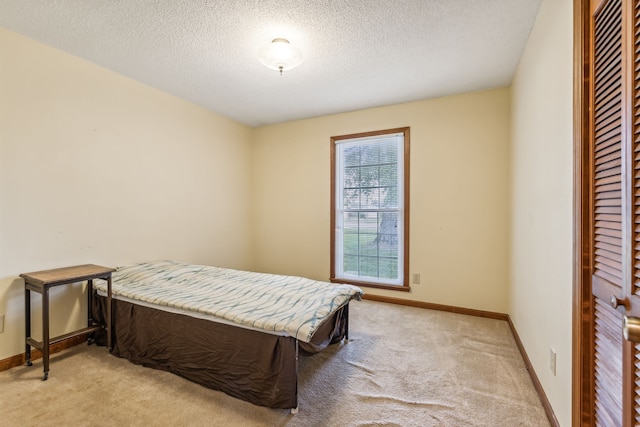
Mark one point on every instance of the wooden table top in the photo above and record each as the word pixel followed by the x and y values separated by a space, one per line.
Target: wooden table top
pixel 67 274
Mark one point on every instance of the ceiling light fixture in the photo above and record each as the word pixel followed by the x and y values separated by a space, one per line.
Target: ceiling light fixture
pixel 280 55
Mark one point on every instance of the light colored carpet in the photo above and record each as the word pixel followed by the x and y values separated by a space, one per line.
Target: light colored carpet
pixel 403 366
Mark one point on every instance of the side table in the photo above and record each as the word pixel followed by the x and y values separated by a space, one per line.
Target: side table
pixel 41 282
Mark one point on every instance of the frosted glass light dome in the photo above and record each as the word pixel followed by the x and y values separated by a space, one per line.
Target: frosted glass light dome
pixel 280 55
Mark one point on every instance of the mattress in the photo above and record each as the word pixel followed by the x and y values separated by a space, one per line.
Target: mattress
pixel 282 305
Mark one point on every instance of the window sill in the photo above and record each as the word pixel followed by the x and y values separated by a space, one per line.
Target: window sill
pixel 401 288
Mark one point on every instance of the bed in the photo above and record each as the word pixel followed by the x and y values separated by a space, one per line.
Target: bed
pixel 234 331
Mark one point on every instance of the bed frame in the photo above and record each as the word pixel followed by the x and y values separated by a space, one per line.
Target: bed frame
pixel 251 365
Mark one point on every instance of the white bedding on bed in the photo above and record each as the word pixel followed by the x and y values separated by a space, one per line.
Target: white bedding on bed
pixel 283 305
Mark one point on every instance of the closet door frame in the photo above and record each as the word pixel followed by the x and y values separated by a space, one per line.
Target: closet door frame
pixel 582 390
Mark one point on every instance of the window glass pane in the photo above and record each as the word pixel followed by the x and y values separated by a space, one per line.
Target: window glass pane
pixel 388 228
pixel 389 197
pixel 352 156
pixel 388 268
pixel 351 177
pixel 369 176
pixel 351 199
pixel 368 223
pixel 388 174
pixel 388 152
pixel 368 266
pixel 369 154
pixel 351 265
pixel 368 245
pixel 368 234
pixel 369 198
pixel 350 233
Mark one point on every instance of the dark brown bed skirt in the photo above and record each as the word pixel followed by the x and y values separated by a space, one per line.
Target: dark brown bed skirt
pixel 255 366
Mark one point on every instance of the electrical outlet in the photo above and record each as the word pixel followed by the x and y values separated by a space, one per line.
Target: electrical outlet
pixel 1 323
pixel 552 360
pixel 416 278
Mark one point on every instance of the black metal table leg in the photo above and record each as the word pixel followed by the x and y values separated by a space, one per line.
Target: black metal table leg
pixel 90 338
pixel 45 332
pixel 109 324
pixel 27 325
pixel 346 322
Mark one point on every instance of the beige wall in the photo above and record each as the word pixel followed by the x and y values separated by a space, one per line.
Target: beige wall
pixel 541 201
pixel 459 187
pixel 97 168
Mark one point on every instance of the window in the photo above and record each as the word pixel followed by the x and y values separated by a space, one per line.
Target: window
pixel 370 209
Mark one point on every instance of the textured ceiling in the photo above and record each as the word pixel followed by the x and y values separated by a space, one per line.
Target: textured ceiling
pixel 358 53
